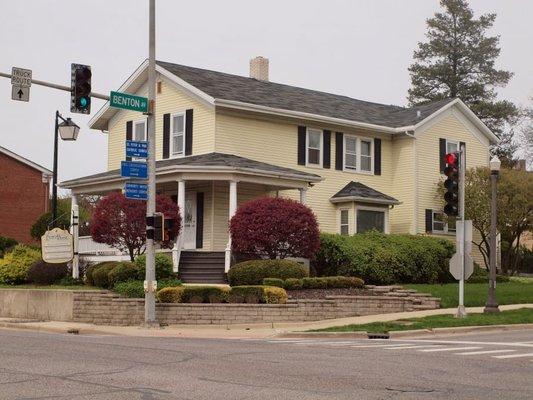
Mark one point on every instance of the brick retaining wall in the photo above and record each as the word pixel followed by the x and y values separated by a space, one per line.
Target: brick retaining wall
pixel 106 308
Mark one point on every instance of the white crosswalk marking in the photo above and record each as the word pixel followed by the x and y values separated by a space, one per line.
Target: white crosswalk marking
pixel 475 353
pixel 450 349
pixel 514 355
pixel 412 347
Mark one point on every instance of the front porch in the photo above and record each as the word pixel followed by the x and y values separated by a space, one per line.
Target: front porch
pixel 208 189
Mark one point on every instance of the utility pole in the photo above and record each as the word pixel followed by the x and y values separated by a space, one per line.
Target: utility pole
pixel 150 283
pixel 461 311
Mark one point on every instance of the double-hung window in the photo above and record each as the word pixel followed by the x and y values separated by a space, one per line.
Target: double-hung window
pixel 452 146
pixel 314 147
pixel 368 220
pixel 177 135
pixel 344 222
pixel 139 131
pixel 442 223
pixel 358 154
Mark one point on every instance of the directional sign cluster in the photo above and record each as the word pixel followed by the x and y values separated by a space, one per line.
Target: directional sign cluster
pixel 135 169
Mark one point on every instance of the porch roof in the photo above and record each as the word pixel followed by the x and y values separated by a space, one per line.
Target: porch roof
pixel 356 191
pixel 211 163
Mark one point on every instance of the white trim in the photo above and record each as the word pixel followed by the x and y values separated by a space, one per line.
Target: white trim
pixel 340 210
pixel 363 200
pixel 23 160
pixel 358 154
pixel 137 122
pixel 379 209
pixel 446 230
pixel 171 135
pixel 414 229
pixel 321 149
pixel 186 86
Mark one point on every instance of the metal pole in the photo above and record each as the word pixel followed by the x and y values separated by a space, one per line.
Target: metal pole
pixel 461 311
pixel 492 304
pixel 56 86
pixel 149 296
pixel 54 179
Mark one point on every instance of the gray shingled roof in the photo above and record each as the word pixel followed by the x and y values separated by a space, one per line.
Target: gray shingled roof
pixel 358 191
pixel 209 160
pixel 224 86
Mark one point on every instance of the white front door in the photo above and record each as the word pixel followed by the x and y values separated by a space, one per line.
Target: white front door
pixel 189 232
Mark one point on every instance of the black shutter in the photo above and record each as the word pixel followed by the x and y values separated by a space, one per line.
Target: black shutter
pixel 129 134
pixel 377 156
pixel 302 133
pixel 326 160
pixel 442 153
pixel 339 144
pixel 429 220
pixel 199 220
pixel 166 135
pixel 188 132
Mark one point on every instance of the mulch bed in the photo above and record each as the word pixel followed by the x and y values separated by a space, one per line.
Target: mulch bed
pixel 322 293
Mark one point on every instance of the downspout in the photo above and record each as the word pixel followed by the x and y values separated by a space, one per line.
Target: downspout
pixel 414 230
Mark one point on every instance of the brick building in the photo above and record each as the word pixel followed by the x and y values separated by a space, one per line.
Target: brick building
pixel 24 195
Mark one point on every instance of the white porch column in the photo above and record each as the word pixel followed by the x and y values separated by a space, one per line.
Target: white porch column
pixel 74 230
pixel 232 210
pixel 303 195
pixel 176 250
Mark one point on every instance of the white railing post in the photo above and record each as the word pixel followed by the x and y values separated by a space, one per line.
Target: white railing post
pixel 176 250
pixel 303 195
pixel 74 230
pixel 232 210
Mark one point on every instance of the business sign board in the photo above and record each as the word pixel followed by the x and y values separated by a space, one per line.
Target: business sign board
pixel 136 149
pixel 57 246
pixel 128 101
pixel 136 191
pixel 134 169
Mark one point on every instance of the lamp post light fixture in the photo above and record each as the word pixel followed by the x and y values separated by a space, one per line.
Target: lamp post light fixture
pixel 68 130
pixel 492 304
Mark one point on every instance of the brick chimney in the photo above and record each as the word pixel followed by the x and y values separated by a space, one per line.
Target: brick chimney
pixel 259 68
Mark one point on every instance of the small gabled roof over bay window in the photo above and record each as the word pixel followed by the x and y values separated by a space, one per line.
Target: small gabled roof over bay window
pixel 356 191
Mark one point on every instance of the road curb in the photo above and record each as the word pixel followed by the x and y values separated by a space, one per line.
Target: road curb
pixel 399 334
pixel 51 329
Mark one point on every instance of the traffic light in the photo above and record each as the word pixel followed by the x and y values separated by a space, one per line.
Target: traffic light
pixel 159 224
pixel 451 196
pixel 80 89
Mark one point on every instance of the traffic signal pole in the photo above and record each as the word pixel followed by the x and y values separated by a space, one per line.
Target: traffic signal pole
pixel 149 294
pixel 461 311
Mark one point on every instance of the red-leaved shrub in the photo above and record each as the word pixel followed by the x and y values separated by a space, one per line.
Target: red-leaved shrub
pixel 121 222
pixel 276 228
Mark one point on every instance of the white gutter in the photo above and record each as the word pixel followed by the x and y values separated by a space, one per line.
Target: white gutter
pixel 363 200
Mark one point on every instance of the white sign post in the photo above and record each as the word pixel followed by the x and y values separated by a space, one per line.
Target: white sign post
pixel 20 84
pixel 57 246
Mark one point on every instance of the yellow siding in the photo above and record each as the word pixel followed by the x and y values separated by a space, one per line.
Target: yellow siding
pixel 170 100
pixel 401 216
pixel 276 143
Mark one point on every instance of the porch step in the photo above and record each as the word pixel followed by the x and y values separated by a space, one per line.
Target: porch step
pixel 202 267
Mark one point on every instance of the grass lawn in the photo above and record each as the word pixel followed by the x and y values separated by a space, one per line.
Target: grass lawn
pixel 514 292
pixel 522 316
pixel 49 287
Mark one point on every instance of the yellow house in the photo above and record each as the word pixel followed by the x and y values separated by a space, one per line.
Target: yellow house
pixel 223 139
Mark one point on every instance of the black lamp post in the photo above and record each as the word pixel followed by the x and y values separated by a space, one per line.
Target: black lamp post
pixel 68 131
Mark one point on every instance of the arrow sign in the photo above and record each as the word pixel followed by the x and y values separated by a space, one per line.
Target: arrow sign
pixel 20 93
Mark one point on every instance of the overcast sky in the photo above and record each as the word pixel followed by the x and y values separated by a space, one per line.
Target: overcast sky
pixel 359 48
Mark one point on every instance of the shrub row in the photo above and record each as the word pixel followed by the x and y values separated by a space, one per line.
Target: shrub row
pixel 253 294
pixel 6 244
pixel 481 275
pixel 384 259
pixel 253 272
pixel 43 273
pixel 16 263
pixel 135 289
pixel 326 282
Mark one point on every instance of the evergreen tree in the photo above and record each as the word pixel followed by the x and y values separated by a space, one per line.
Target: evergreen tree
pixel 458 60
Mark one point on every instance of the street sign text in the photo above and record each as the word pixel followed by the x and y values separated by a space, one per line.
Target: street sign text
pixel 133 169
pixel 128 102
pixel 136 191
pixel 136 149
pixel 21 77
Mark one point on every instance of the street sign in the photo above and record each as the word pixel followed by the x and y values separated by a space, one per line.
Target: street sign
pixel 128 102
pixel 21 77
pixel 136 149
pixel 57 246
pixel 455 266
pixel 133 169
pixel 136 191
pixel 20 93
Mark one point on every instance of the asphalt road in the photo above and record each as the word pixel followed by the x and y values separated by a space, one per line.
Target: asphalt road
pixel 55 366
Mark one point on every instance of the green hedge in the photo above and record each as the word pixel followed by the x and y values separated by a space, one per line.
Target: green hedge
pixel 481 275
pixel 16 263
pixel 163 266
pixel 329 282
pixel 6 244
pixel 253 272
pixel 135 289
pixel 216 294
pixel 385 259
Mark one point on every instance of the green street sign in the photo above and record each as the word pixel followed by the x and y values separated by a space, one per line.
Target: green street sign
pixel 128 102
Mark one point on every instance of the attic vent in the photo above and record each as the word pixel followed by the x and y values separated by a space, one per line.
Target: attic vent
pixel 259 68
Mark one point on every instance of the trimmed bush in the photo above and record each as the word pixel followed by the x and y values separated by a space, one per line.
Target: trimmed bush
pixel 274 295
pixel 253 272
pixel 481 275
pixel 43 273
pixel 135 289
pixel 16 263
pixel 273 282
pixel 255 294
pixel 314 283
pixel 122 272
pixel 275 228
pixel 100 275
pixel 293 284
pixel 6 244
pixel 170 294
pixel 385 259
pixel 205 294
pixel 163 266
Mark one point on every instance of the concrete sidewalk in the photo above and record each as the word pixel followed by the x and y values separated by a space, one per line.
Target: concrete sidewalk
pixel 242 331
